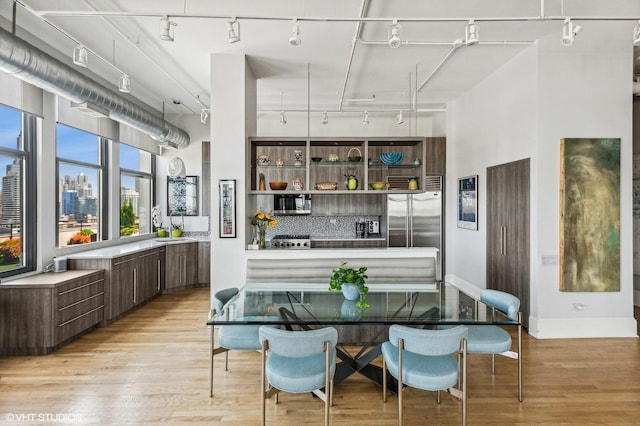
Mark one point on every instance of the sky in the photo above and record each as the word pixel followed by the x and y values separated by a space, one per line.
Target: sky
pixel 72 144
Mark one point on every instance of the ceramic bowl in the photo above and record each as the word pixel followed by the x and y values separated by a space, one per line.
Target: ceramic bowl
pixel 377 185
pixel 355 159
pixel 278 186
pixel 391 158
pixel 316 159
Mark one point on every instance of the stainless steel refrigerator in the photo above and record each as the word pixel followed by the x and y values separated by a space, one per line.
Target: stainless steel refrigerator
pixel 415 220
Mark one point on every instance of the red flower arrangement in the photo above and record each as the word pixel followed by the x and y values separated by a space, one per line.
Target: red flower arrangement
pixel 79 239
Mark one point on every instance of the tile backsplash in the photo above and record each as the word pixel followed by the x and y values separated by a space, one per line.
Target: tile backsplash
pixel 318 226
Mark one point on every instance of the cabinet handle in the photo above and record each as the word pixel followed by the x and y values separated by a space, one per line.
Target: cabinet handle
pixel 135 285
pixel 503 240
pixel 159 274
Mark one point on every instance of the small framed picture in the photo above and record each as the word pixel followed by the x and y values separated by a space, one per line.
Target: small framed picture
pixel 468 202
pixel 227 189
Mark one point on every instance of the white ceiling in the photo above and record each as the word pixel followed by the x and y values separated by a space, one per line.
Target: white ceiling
pixel 162 72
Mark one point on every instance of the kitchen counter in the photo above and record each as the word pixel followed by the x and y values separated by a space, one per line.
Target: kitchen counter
pixel 127 248
pixel 362 253
pixel 45 279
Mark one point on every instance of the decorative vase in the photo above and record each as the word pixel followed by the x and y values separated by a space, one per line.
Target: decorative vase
pixel 262 186
pixel 350 291
pixel 261 234
pixel 162 233
pixel 176 233
pixel 349 310
pixel 413 183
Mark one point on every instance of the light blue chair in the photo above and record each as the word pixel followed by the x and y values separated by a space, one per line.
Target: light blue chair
pixel 298 362
pixel 428 360
pixel 494 340
pixel 230 337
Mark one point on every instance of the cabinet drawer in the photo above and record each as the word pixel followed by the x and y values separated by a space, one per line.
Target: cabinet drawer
pixel 79 323
pixel 76 310
pixel 77 291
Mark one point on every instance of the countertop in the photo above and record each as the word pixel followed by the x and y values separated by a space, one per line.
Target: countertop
pixel 128 248
pixel 359 253
pixel 46 279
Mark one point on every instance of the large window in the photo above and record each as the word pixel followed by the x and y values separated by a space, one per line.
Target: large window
pixel 80 158
pixel 17 172
pixel 136 190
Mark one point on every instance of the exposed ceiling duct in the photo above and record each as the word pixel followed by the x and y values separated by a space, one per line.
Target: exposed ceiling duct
pixel 42 70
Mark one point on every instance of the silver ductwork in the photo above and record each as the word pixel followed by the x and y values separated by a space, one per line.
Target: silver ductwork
pixel 42 70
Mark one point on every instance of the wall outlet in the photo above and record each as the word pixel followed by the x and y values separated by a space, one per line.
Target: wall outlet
pixel 549 259
pixel 332 221
pixel 577 306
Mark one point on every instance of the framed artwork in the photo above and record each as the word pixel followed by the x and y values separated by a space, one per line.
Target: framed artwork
pixel 227 189
pixel 589 215
pixel 182 196
pixel 468 202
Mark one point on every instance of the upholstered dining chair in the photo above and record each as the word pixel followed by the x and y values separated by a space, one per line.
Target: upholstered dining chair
pixel 494 340
pixel 428 360
pixel 230 337
pixel 298 362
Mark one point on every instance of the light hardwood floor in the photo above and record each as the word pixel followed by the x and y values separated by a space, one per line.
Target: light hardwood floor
pixel 152 367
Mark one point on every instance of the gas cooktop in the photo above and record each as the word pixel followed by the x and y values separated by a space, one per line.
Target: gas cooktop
pixel 291 241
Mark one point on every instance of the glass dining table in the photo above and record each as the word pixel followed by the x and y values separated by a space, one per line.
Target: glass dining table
pixel 306 306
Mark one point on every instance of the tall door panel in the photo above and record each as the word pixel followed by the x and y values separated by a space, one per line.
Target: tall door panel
pixel 508 253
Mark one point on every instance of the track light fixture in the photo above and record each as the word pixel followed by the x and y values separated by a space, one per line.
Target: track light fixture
pixel 636 34
pixel 283 119
pixel 233 31
pixel 399 117
pixel 80 56
pixel 471 33
pixel 166 28
pixel 204 116
pixel 395 35
pixel 325 117
pixel 365 118
pixel 569 31
pixel 124 84
pixel 294 40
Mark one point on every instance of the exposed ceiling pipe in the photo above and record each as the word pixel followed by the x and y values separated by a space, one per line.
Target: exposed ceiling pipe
pixel 34 66
pixel 356 36
pixel 455 47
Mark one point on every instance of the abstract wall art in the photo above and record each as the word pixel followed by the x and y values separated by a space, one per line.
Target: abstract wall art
pixel 589 215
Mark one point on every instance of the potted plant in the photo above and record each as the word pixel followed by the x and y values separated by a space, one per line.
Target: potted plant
pixel 351 282
pixel 176 231
pixel 156 218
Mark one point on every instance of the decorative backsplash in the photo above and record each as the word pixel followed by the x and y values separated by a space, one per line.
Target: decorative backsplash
pixel 318 226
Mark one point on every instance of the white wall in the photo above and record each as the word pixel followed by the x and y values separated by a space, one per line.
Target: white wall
pixel 233 103
pixel 523 110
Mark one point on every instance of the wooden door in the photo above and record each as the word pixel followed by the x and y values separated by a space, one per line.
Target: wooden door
pixel 508 253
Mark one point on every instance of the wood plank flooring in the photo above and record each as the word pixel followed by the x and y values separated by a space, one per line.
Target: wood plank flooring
pixel 152 367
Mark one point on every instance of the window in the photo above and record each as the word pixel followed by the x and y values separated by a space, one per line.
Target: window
pixel 136 190
pixel 17 172
pixel 80 173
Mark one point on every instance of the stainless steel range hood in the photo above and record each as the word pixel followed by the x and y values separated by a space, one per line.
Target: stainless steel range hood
pixel 36 67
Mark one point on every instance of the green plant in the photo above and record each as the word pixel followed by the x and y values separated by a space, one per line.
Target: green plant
pixel 88 232
pixel 354 276
pixel 176 227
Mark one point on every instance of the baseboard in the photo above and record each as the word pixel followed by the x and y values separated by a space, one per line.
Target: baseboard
pixel 571 328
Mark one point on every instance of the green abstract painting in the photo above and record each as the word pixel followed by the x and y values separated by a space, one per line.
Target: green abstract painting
pixel 589 215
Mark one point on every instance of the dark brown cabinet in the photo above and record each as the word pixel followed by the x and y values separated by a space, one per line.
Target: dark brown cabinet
pixel 41 312
pixel 508 252
pixel 435 156
pixel 204 262
pixel 181 265
pixel 130 280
